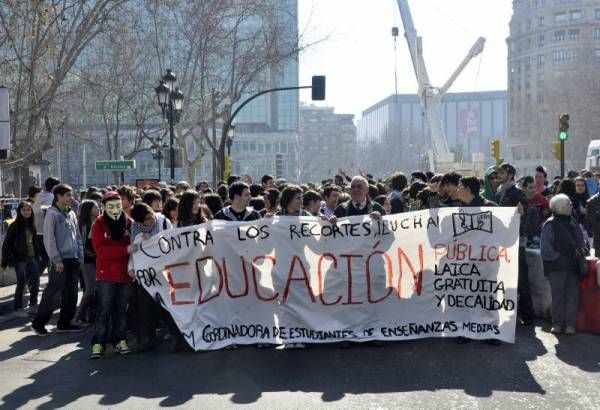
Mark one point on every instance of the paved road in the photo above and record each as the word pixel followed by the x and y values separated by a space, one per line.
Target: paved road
pixel 540 370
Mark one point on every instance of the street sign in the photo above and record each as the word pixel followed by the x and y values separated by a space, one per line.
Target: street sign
pixel 115 165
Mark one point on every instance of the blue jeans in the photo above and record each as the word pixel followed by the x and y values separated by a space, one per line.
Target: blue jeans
pixel 27 271
pixel 112 299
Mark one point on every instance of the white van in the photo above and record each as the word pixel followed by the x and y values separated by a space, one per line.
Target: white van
pixel 592 159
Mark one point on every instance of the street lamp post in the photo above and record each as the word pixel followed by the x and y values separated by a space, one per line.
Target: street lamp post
pixel 170 100
pixel 157 154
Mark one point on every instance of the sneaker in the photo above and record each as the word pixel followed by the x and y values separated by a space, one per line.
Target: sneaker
pixel 122 347
pixel 69 329
pixel 556 329
pixel 570 330
pixel 97 351
pixel 39 330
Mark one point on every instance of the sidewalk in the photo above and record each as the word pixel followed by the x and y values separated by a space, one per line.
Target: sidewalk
pixel 7 294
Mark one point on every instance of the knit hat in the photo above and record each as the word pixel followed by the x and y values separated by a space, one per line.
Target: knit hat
pixel 110 196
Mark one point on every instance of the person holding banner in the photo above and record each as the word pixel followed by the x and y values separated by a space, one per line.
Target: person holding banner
pixel 291 202
pixel 111 242
pixel 359 203
pixel 239 194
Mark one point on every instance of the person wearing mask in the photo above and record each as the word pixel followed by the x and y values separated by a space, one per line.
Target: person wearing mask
pixel 111 242
pixel 562 240
pixel 44 201
pixel 359 203
pixel 20 250
pixel 490 183
pixel 64 247
pixel 146 223
pixel 239 194
pixel 88 212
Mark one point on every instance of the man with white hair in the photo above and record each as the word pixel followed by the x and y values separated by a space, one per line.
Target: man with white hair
pixel 360 203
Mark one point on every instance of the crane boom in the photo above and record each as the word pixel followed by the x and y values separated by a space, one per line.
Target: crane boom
pixel 431 97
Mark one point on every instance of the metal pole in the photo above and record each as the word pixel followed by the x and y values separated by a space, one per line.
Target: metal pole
pixel 171 136
pixel 159 156
pixel 214 140
pixel 562 158
pixel 84 170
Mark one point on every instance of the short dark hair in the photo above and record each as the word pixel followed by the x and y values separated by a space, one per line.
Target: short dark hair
pixel 310 196
pixel 150 196
pixel 419 175
pixel 50 183
pixel 541 170
pixel 127 192
pixel 509 169
pixel 266 178
pixel 256 190
pixel 452 178
pixel 139 211
pixel 61 189
pixel 436 178
pixel 398 181
pixel 288 194
pixel 331 188
pixel 236 189
pixel 257 203
pixel 415 188
pixel 213 202
pixel 33 191
pixel 472 184
pixel 373 191
pixel 231 179
pixel 528 180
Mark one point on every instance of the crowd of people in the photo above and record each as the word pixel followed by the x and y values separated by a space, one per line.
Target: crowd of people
pixel 86 241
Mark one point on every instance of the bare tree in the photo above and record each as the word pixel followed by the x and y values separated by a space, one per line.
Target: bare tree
pixel 41 42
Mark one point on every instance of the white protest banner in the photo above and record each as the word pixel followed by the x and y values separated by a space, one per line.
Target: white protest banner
pixel 435 273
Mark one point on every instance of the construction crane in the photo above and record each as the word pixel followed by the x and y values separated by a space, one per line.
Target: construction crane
pixel 441 159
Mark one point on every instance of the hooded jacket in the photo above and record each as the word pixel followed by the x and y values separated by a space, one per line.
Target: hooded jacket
pixel 61 235
pixel 40 207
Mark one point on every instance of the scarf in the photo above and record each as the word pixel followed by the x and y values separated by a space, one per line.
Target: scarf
pixel 116 228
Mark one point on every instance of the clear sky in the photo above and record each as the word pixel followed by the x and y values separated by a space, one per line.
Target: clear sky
pixel 358 56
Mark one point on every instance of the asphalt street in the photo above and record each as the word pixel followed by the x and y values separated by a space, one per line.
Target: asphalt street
pixel 539 370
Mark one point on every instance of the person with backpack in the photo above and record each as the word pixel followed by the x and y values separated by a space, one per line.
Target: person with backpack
pixel 20 249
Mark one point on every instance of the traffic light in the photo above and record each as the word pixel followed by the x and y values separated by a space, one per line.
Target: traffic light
pixel 563 126
pixel 278 165
pixel 556 150
pixel 495 150
pixel 318 87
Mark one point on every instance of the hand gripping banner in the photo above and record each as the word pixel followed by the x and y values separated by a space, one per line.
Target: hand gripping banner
pixel 437 273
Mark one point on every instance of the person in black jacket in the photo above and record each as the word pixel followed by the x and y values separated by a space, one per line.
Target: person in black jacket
pixel 359 204
pixel 21 251
pixel 398 182
pixel 510 195
pixel 468 193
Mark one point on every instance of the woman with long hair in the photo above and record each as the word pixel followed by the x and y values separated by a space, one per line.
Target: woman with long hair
pixel 189 210
pixel 88 212
pixel 20 250
pixel 170 210
pixel 291 202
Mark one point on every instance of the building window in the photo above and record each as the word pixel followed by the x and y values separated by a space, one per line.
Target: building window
pixel 541 40
pixel 576 14
pixel 561 17
pixel 559 35
pixel 528 26
pixel 541 21
pixel 597 34
pixel 597 14
pixel 559 56
pixel 597 53
pixel 541 60
pixel 540 98
pixel 574 34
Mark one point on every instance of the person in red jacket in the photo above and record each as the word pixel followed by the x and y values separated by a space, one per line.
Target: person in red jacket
pixel 111 241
